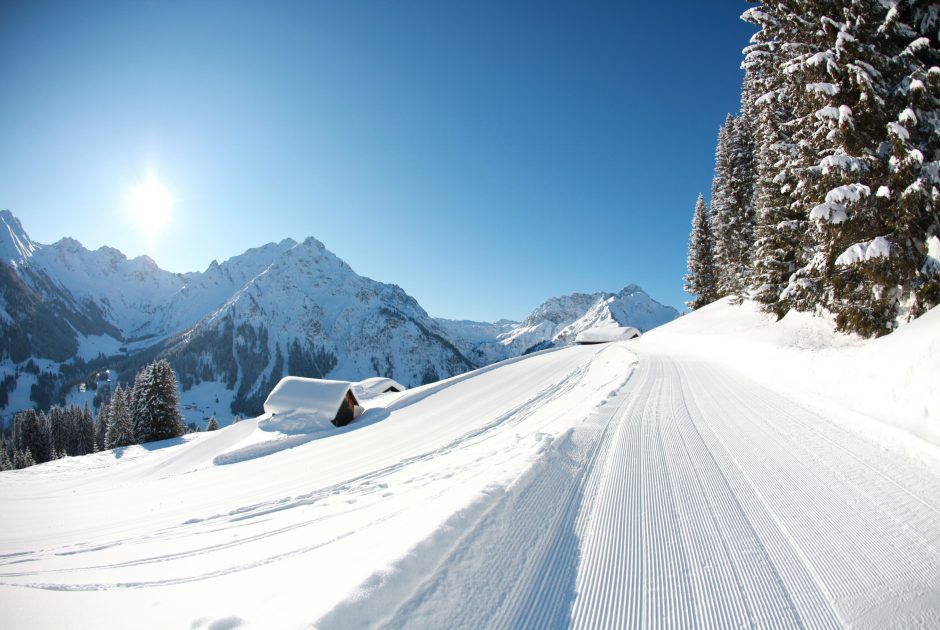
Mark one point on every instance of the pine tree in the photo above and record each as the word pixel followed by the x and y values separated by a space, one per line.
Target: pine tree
pixel 157 404
pixel 769 102
pixel 86 432
pixel 101 426
pixel 912 213
pixel 32 436
pixel 120 425
pixel 700 280
pixel 23 459
pixel 5 462
pixel 213 424
pixel 732 207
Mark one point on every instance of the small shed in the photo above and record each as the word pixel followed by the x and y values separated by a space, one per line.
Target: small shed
pixel 376 386
pixel 606 334
pixel 330 400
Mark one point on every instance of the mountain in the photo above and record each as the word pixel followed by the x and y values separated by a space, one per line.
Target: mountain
pixel 233 330
pixel 557 321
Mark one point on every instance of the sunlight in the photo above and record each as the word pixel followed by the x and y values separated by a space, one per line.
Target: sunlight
pixel 149 205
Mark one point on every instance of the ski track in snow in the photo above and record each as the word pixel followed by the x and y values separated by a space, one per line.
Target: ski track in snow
pixel 692 497
pixel 697 500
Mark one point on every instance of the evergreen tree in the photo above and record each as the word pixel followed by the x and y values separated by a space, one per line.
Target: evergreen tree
pixel 700 280
pixel 912 212
pixel 157 404
pixel 120 425
pixel 767 104
pixel 213 424
pixel 732 207
pixel 23 459
pixel 59 429
pixel 101 426
pixel 32 437
pixel 5 462
pixel 86 432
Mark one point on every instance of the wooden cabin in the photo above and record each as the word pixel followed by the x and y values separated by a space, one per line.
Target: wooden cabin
pixel 376 386
pixel 331 400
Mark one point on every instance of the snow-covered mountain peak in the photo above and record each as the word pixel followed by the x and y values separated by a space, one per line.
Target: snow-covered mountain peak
pixel 15 245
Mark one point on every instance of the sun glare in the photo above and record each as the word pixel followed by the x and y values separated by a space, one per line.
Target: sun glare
pixel 149 204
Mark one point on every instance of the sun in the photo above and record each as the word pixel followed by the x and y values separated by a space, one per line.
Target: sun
pixel 150 205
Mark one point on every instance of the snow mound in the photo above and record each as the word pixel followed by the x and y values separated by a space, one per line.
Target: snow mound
pixel 607 334
pixel 892 379
pixel 295 423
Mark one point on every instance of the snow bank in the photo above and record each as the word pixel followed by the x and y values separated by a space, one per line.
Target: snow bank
pixel 893 379
pixel 607 334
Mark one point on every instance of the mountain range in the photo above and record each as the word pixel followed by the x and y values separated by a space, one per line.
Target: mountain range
pixel 67 312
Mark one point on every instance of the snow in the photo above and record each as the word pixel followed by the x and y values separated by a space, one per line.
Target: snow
pixel 932 264
pixel 830 89
pixel 878 247
pixel 375 386
pixel 724 469
pixel 607 334
pixel 91 346
pixel 892 378
pixel 831 212
pixel 842 162
pixel 849 193
pixel 899 130
pixel 15 245
pixel 167 530
pixel 907 117
pixel 318 397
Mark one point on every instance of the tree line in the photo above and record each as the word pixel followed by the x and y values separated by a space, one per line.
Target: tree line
pixel 825 194
pixel 144 412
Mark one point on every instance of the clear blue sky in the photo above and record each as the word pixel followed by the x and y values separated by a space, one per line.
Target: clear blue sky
pixel 482 155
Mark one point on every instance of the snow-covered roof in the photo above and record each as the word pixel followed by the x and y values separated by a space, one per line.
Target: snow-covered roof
pixel 307 395
pixel 606 334
pixel 375 386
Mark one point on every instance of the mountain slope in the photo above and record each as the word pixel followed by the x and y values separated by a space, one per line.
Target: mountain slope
pixel 233 330
pixel 557 321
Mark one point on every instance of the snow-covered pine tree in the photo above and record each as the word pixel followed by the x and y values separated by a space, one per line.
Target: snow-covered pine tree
pixel 700 280
pixel 59 429
pixel 213 424
pixel 135 398
pixel 120 425
pixel 732 210
pixel 767 98
pixel 31 436
pixel 838 104
pixel 912 224
pixel 5 462
pixel 86 432
pixel 101 426
pixel 157 404
pixel 23 459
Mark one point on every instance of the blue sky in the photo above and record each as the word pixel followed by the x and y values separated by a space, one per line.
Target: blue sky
pixel 482 155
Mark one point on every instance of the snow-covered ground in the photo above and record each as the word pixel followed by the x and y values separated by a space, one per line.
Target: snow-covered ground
pixel 675 480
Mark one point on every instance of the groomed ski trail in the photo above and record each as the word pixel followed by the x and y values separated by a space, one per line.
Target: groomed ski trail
pixel 695 498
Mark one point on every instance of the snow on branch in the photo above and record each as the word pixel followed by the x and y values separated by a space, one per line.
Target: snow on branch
pixel 878 247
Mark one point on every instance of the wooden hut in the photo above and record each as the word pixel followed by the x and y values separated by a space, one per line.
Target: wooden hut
pixel 330 400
